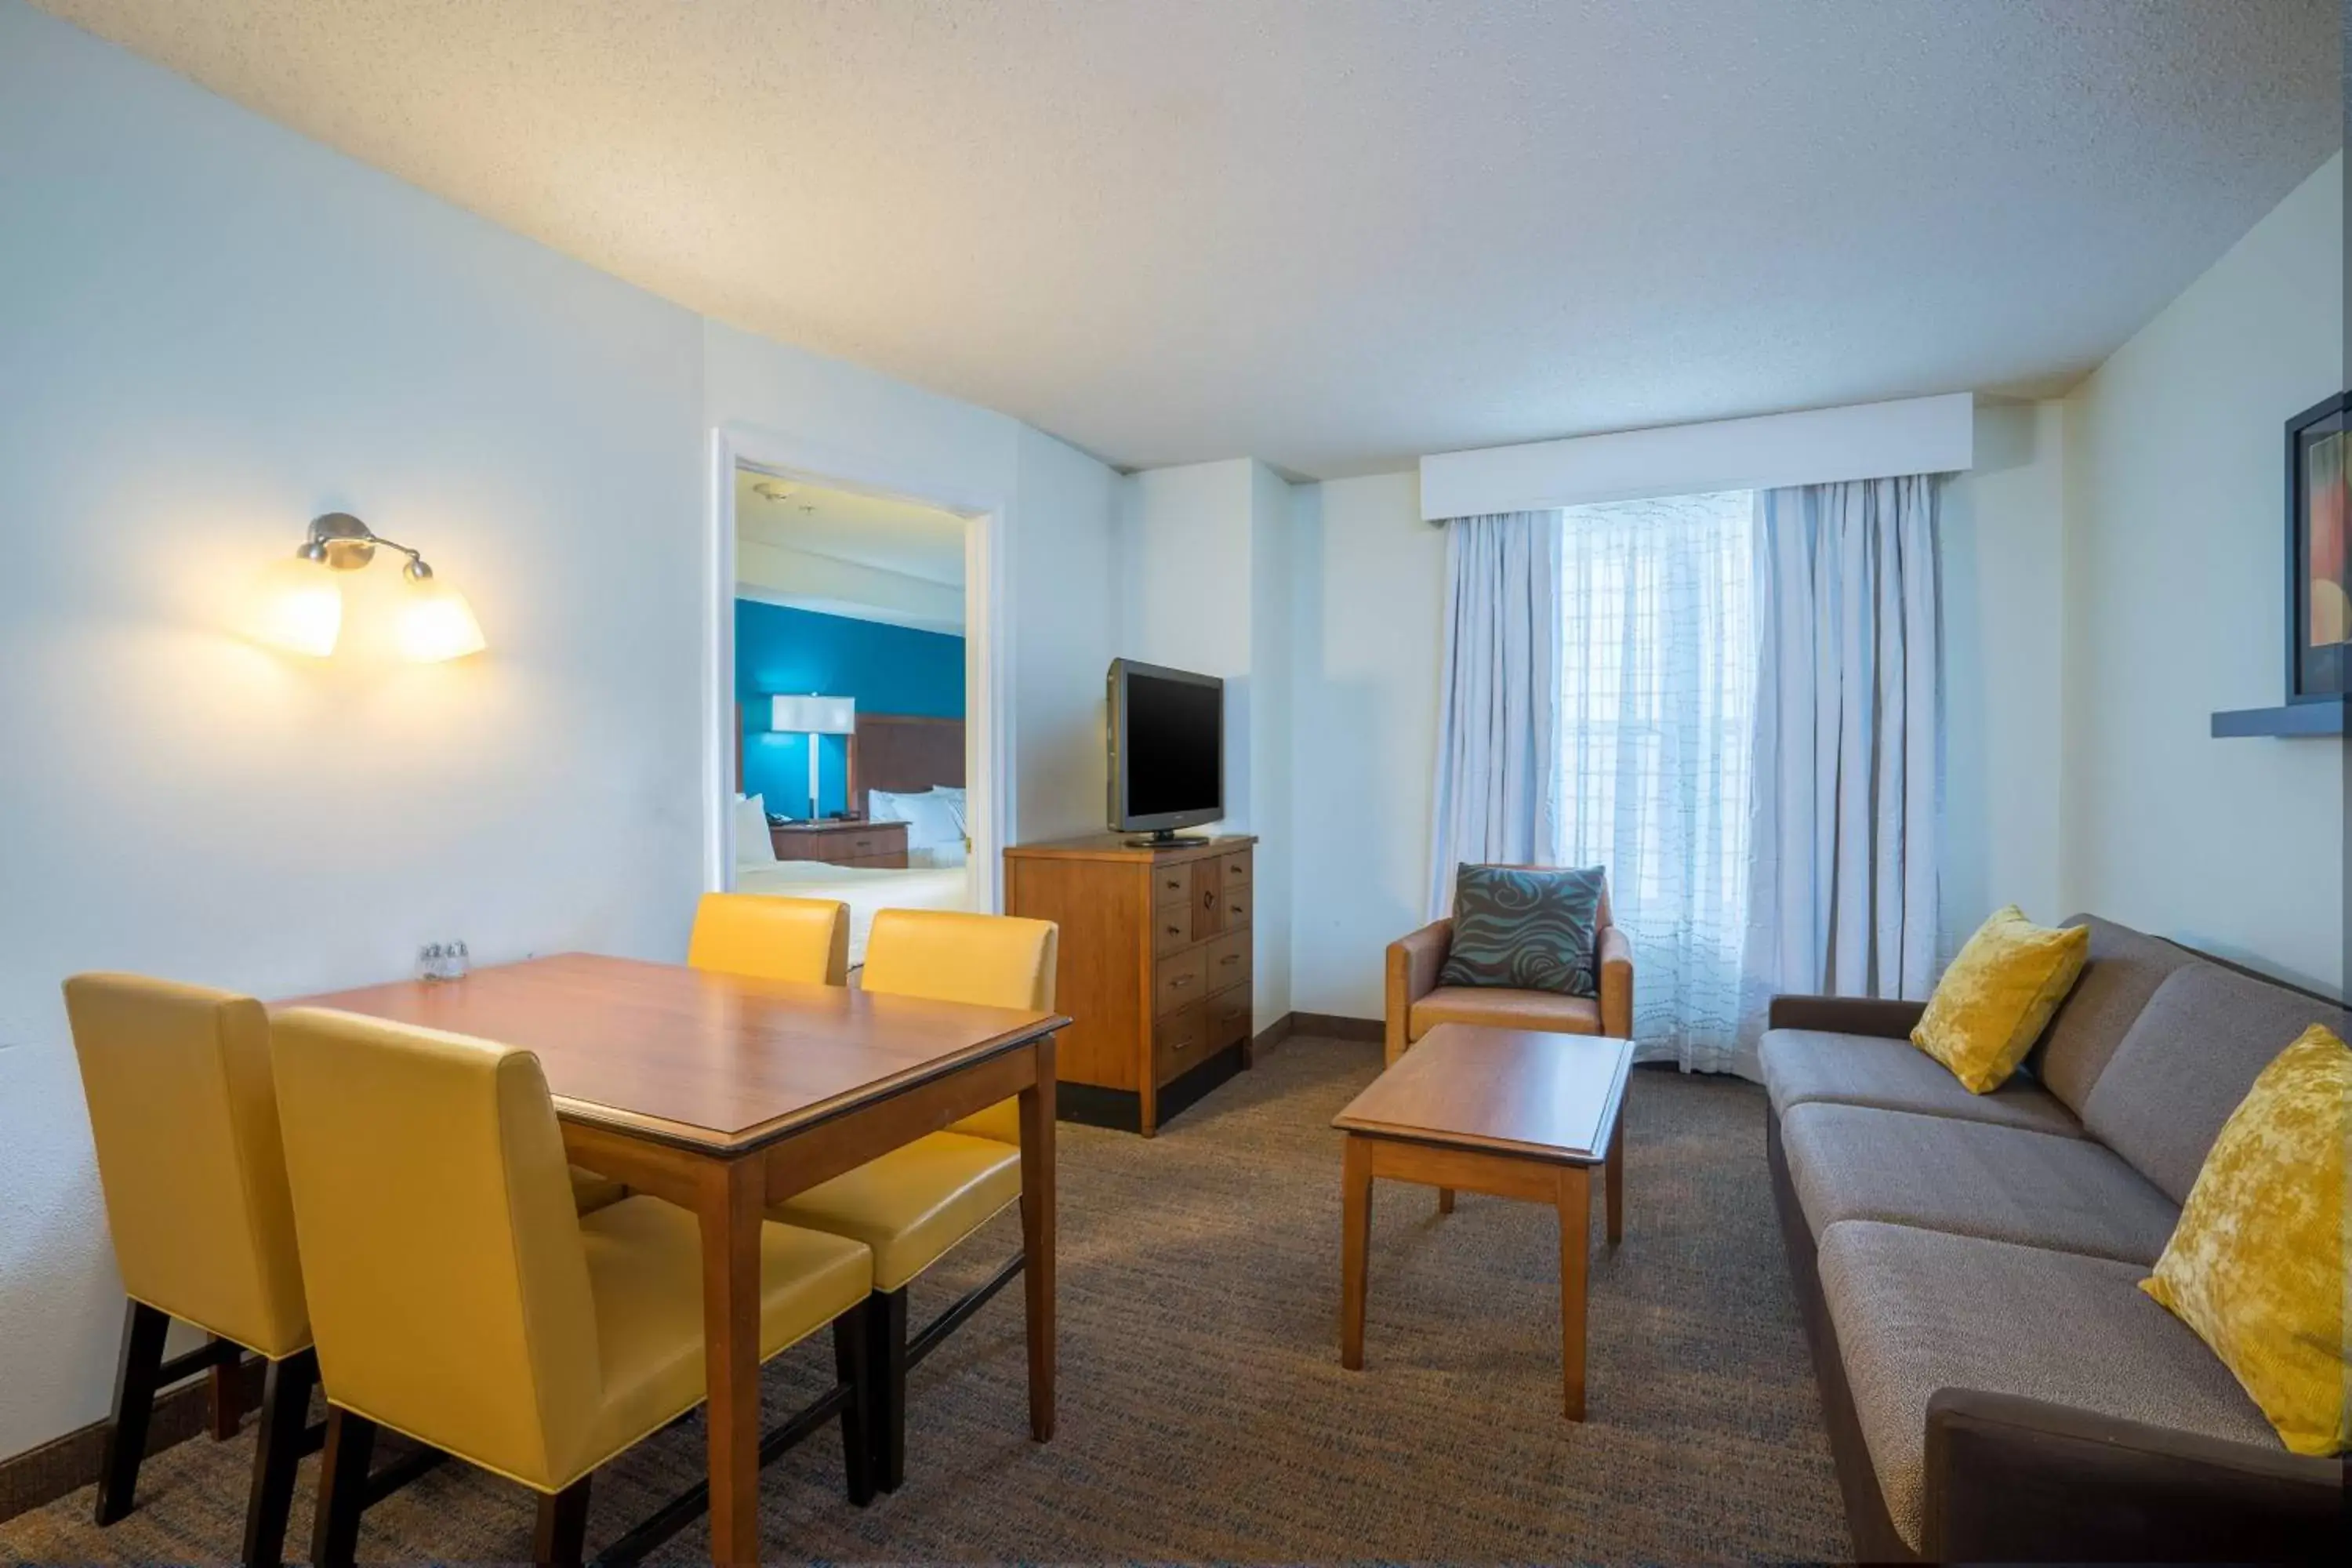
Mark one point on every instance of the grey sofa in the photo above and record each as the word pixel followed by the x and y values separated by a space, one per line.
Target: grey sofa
pixel 1997 1386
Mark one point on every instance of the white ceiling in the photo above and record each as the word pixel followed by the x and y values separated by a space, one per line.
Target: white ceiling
pixel 1338 233
pixel 887 535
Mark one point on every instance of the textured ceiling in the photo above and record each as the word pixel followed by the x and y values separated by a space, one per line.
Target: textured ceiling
pixel 1337 234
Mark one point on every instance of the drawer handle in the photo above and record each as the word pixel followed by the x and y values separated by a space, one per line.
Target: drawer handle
pixel 1179 982
pixel 1231 958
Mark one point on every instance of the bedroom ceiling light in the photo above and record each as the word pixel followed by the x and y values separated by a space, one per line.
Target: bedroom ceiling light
pixel 300 608
pixel 812 716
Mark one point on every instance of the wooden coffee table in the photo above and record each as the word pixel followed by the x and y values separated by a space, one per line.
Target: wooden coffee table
pixel 1514 1113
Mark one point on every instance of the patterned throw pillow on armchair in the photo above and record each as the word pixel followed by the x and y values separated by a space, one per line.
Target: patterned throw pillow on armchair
pixel 1528 928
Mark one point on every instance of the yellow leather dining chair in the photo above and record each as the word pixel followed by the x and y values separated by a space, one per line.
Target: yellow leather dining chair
pixel 916 1203
pixel 181 1109
pixel 805 941
pixel 459 1297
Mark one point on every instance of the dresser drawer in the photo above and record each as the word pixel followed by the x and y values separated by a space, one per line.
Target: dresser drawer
pixel 1208 901
pixel 1172 929
pixel 1180 1042
pixel 888 861
pixel 1171 885
pixel 1229 1019
pixel 1236 907
pixel 1228 960
pixel 1180 978
pixel 1236 871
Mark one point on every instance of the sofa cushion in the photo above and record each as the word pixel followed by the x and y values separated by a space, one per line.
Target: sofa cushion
pixel 1500 1007
pixel 1804 1066
pixel 2187 1060
pixel 1919 1311
pixel 1971 1178
pixel 2123 970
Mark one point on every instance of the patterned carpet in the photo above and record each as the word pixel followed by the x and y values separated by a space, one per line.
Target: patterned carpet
pixel 1203 1411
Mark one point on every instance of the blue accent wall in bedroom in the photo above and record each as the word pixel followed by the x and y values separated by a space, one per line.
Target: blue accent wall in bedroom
pixel 890 669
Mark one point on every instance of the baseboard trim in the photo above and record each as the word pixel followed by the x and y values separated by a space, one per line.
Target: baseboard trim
pixel 1266 1039
pixel 41 1474
pixel 1334 1026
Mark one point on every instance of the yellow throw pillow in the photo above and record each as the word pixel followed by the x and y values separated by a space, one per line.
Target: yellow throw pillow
pixel 1995 1000
pixel 2256 1264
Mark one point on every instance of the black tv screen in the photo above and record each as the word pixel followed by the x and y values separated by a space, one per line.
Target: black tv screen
pixel 1168 747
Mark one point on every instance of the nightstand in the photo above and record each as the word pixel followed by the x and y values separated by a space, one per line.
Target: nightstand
pixel 879 845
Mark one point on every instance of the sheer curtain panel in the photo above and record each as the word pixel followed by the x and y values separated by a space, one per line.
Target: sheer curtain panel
pixel 1497 758
pixel 1656 691
pixel 1843 868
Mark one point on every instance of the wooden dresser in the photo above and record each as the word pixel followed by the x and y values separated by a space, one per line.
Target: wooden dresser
pixel 1155 969
pixel 880 845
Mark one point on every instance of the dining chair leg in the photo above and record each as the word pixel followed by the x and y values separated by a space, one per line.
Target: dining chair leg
pixel 886 1352
pixel 343 1489
pixel 228 1390
pixel 853 1369
pixel 559 1538
pixel 278 1443
pixel 136 1371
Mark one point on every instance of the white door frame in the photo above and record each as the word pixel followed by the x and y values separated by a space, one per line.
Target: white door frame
pixel 988 642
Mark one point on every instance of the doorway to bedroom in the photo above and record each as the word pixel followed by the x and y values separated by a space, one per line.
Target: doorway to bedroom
pixel 853 671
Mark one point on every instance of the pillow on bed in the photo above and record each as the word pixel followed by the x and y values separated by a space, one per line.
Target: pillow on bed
pixel 752 844
pixel 931 825
pixel 954 795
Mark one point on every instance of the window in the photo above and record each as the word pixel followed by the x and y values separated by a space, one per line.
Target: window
pixel 1657 699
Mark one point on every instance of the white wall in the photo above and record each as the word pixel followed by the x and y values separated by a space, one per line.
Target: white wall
pixel 2002 559
pixel 1204 562
pixel 1066 608
pixel 2176 596
pixel 1368 625
pixel 211 330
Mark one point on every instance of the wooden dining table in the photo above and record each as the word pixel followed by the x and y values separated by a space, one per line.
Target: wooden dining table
pixel 723 1094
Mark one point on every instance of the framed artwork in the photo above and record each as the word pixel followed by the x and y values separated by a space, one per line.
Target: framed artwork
pixel 2319 574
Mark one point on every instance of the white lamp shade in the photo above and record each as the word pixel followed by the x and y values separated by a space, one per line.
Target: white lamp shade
pixel 435 622
pixel 297 607
pixel 813 715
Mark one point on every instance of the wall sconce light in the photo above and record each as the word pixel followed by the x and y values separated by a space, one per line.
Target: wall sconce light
pixel 300 606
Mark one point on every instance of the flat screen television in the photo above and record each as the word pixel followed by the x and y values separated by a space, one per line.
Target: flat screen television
pixel 1167 748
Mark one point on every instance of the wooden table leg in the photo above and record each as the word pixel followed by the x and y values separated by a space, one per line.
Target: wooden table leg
pixel 733 1193
pixel 1614 1180
pixel 1038 1236
pixel 1355 1246
pixel 1446 1200
pixel 1575 1214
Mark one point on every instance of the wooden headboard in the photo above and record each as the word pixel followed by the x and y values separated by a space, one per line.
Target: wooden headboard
pixel 904 754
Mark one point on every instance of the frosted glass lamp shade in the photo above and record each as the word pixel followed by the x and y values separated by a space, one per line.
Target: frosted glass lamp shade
pixel 297 607
pixel 813 715
pixel 435 622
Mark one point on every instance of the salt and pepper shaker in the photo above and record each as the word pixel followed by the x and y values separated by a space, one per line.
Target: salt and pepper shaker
pixel 443 961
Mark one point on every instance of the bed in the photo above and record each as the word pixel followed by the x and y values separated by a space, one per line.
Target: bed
pixel 863 889
pixel 893 758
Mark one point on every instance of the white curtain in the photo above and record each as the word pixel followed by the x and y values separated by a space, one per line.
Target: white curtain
pixel 1841 876
pixel 1495 757
pixel 1657 684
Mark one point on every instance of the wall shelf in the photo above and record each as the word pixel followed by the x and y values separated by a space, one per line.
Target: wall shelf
pixel 2325 718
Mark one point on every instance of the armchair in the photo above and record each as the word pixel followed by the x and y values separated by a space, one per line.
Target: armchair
pixel 1418 1003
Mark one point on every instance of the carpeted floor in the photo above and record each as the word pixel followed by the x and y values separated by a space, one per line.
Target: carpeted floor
pixel 1203 1413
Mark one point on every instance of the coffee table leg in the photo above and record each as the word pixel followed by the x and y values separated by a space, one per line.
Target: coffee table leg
pixel 1615 1179
pixel 1355 1248
pixel 1575 1211
pixel 1446 1200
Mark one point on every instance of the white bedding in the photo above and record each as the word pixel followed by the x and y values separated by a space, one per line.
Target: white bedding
pixel 864 889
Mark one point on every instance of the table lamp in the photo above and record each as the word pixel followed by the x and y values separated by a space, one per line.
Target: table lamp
pixel 812 716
